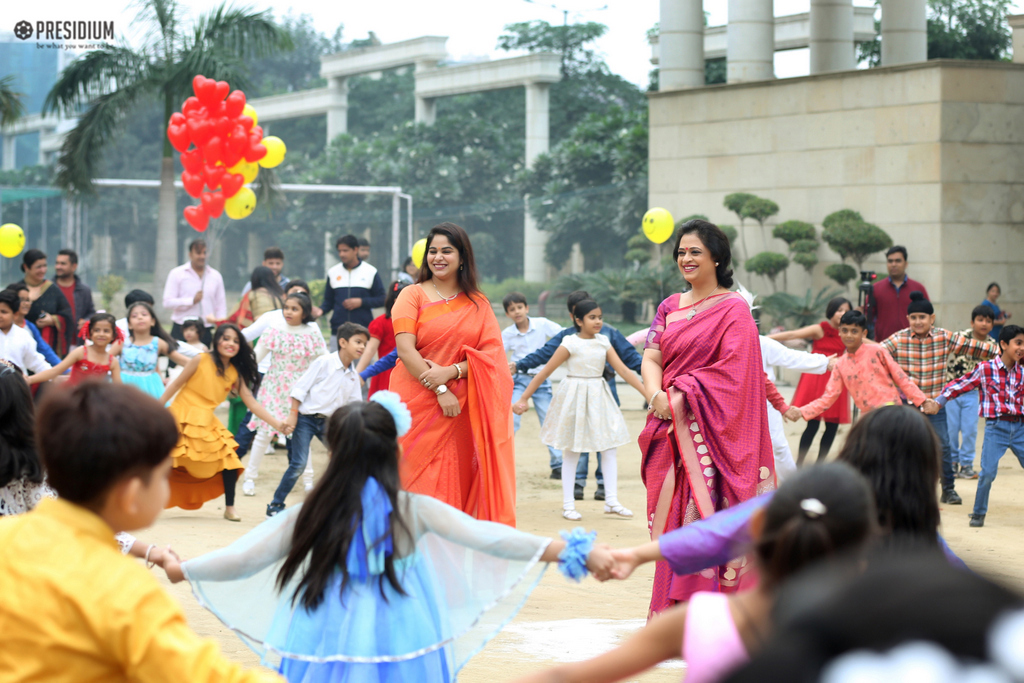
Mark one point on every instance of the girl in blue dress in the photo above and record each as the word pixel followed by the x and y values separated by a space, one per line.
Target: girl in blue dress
pixel 141 352
pixel 366 582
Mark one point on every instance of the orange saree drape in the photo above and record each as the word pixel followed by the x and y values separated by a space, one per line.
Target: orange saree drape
pixel 467 461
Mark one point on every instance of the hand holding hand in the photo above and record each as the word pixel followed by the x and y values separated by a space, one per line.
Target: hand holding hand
pixel 929 407
pixel 600 561
pixel 512 368
pixel 626 561
pixel 436 375
pixel 793 414
pixel 172 567
pixel 832 360
pixel 284 427
pixel 519 408
pixel 659 406
pixel 290 422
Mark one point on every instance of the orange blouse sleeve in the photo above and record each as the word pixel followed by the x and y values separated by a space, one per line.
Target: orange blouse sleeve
pixel 406 311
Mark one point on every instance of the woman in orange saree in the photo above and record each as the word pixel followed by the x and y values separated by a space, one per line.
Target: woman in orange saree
pixel 453 375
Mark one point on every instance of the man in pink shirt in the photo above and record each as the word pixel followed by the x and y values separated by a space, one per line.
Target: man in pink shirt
pixel 869 373
pixel 195 291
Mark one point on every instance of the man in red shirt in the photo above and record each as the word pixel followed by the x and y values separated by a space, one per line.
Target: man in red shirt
pixel 888 311
pixel 75 291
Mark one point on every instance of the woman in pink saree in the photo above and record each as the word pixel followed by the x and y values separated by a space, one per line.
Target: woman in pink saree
pixel 706 444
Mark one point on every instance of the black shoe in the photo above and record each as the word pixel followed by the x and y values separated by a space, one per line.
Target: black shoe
pixel 274 508
pixel 599 493
pixel 956 468
pixel 577 492
pixel 967 473
pixel 951 497
pixel 977 520
pixel 556 473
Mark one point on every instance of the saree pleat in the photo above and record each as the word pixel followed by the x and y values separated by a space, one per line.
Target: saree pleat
pixel 467 461
pixel 716 450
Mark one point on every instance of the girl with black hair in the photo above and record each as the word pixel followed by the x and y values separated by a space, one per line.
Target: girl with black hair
pixel 825 340
pixel 141 352
pixel 205 446
pixel 818 515
pixel 364 581
pixel 93 361
pixel 266 293
pixel 382 340
pixel 292 344
pixel 583 416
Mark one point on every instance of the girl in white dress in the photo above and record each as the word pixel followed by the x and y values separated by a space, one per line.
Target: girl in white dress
pixel 583 416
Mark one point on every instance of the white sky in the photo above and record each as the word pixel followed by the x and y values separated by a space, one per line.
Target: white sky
pixel 472 26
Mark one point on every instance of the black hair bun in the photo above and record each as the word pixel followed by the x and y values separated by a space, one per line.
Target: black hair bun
pixel 917 296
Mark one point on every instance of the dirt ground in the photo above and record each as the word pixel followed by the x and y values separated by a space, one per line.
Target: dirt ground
pixel 564 621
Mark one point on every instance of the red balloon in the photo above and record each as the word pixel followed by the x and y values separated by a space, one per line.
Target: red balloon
pixel 222 90
pixel 234 104
pixel 197 217
pixel 213 203
pixel 206 91
pixel 179 137
pixel 200 130
pixel 212 150
pixel 229 156
pixel 193 183
pixel 192 160
pixel 238 141
pixel 231 184
pixel 224 126
pixel 246 122
pixel 213 175
pixel 197 82
pixel 256 149
pixel 177 118
pixel 191 107
pixel 258 130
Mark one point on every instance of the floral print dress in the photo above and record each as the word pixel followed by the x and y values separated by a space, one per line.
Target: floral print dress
pixel 294 348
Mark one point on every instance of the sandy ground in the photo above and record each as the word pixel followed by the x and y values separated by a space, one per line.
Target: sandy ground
pixel 564 621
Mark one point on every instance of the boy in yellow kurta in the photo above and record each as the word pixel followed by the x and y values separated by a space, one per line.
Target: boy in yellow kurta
pixel 72 608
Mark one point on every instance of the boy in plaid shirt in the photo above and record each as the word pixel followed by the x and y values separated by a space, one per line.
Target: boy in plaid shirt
pixel 921 350
pixel 1002 405
pixel 962 411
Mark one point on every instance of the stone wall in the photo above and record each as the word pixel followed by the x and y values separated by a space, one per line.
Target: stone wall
pixel 931 152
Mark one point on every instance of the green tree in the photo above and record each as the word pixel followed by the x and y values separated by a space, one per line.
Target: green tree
pixel 11 107
pixel 841 273
pixel 735 203
pixel 793 231
pixel 767 264
pixel 111 82
pixel 968 29
pixel 760 209
pixel 852 237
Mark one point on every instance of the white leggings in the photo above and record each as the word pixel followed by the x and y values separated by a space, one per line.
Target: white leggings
pixel 259 447
pixel 610 468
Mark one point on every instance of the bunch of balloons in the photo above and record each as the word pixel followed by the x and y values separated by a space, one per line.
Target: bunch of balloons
pixel 221 149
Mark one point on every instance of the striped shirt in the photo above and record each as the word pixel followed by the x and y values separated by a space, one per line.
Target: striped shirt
pixel 1002 388
pixel 924 359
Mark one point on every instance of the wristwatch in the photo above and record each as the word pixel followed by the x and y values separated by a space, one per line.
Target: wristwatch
pixel 441 389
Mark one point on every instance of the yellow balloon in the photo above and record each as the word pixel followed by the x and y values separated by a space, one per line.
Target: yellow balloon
pixel 251 113
pixel 275 152
pixel 12 240
pixel 248 171
pixel 419 249
pixel 241 205
pixel 658 225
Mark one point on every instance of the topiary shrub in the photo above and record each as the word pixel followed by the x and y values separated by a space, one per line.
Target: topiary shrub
pixel 841 273
pixel 767 264
pixel 794 231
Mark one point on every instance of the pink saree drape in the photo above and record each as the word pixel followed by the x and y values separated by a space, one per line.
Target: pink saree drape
pixel 716 450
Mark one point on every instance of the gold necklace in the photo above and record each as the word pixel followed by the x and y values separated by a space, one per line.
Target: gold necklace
pixel 447 299
pixel 693 311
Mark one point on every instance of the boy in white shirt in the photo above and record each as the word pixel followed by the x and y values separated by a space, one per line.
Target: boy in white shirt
pixel 521 339
pixel 329 383
pixel 17 345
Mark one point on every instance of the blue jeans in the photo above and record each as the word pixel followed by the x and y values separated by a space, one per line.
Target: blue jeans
pixel 962 418
pixel 541 401
pixel 1000 436
pixel 245 435
pixel 306 428
pixel 938 421
pixel 583 466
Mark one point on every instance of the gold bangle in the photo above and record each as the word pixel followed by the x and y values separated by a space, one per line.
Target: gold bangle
pixel 458 369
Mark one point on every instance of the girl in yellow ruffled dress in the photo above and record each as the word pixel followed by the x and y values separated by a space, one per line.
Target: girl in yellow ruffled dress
pixel 205 446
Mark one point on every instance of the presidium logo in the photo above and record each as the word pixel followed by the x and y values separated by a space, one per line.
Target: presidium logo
pixel 65 30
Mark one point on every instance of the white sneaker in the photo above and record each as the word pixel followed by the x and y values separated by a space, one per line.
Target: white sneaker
pixel 270 449
pixel 249 487
pixel 307 487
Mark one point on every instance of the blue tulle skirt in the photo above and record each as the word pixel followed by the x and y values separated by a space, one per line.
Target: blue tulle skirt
pixel 148 382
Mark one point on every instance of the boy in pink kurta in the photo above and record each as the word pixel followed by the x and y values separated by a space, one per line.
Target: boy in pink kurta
pixel 869 373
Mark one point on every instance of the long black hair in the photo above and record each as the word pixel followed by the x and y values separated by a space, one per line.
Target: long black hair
pixel 818 512
pixel 18 457
pixel 467 275
pixel 264 278
pixel 897 450
pixel 393 292
pixel 712 237
pixel 244 361
pixel 580 310
pixel 363 443
pixel 156 329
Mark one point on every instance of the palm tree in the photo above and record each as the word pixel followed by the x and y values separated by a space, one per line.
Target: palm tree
pixel 110 82
pixel 11 107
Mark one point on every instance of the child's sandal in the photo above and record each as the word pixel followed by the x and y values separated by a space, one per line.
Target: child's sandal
pixel 617 509
pixel 572 515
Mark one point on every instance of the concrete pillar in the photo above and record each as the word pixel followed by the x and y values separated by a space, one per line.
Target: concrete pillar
pixel 8 152
pixel 1016 22
pixel 537 138
pixel 253 251
pixel 426 110
pixel 904 31
pixel 681 45
pixel 832 47
pixel 337 114
pixel 750 41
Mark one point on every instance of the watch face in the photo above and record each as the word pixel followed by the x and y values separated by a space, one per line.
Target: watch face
pixel 443 389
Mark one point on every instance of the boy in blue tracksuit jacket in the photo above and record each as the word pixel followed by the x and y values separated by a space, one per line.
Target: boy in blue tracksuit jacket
pixel 354 287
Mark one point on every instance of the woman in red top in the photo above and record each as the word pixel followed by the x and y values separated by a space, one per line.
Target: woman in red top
pixel 825 340
pixel 382 340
